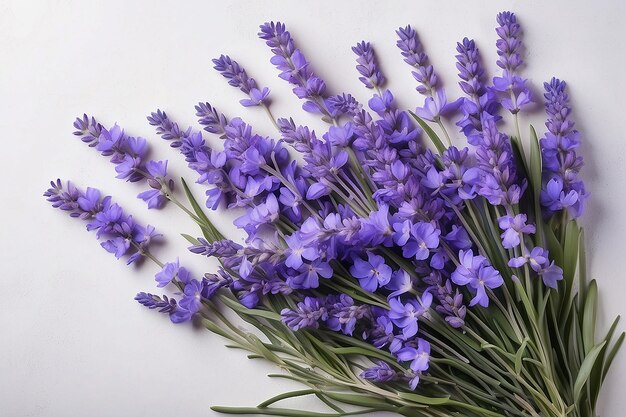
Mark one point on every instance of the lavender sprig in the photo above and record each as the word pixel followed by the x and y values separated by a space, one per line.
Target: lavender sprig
pixel 562 189
pixel 513 89
pixel 295 68
pixel 371 74
pixel 238 77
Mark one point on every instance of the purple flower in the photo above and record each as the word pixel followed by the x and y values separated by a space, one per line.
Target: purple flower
pixel 514 228
pixel 554 198
pixel 170 271
pixel 540 263
pixel 298 251
pixel 121 235
pixel 422 239
pixel 437 106
pixel 164 305
pixel 381 372
pixel 405 316
pixel 372 273
pixel 400 283
pixel 308 314
pixel 212 120
pixel 309 275
pixel 419 357
pixel 192 296
pixel 129 154
pixel 475 272
pixel 343 314
pixel 376 230
pixel 367 66
pixel 514 91
pixel 238 77
pixel 413 53
pixel 294 67
pixel 562 189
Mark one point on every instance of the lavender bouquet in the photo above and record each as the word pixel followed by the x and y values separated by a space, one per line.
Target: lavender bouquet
pixel 385 268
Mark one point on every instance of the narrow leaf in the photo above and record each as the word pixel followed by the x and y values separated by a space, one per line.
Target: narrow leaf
pixel 589 317
pixel 585 370
pixel 430 132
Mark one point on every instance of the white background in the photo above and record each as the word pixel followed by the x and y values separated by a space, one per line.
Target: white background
pixel 72 340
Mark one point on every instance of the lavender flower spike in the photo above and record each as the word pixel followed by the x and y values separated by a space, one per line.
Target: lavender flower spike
pixel 480 98
pixel 295 68
pixel 238 77
pixel 562 189
pixel 119 233
pixel 129 154
pixel 436 103
pixel 514 91
pixel 367 66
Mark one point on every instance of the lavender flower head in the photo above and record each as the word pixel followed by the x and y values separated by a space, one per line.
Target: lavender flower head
pixel 238 77
pixel 514 91
pixel 562 188
pixel 295 68
pixel 367 66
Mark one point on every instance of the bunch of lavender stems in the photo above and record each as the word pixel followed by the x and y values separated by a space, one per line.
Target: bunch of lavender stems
pixel 380 274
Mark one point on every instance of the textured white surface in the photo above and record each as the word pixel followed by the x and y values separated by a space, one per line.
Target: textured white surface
pixel 73 342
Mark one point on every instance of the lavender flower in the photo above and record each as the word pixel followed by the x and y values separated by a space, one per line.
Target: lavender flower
pixel 295 68
pixel 165 305
pixel 171 271
pixel 405 316
pixel 121 235
pixel 514 228
pixel 475 272
pixel 413 53
pixel 562 189
pixel 307 315
pixel 238 77
pixel 480 98
pixel 514 92
pixel 372 273
pixel 381 372
pixel 538 260
pixel 367 66
pixel 344 314
pixel 129 156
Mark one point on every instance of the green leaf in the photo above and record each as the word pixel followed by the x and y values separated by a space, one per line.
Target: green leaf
pixel 609 358
pixel 519 355
pixel 554 246
pixel 285 395
pixel 190 239
pixel 430 132
pixel 238 308
pixel 354 350
pixel 582 263
pixel 570 252
pixel 287 412
pixel 210 232
pixel 585 370
pixel 535 182
pixel 361 400
pixel 589 317
pixel 421 399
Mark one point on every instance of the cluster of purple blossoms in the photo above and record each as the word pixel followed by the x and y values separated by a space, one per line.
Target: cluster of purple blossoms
pixel 562 189
pixel 512 88
pixel 436 104
pixel 238 77
pixel 367 66
pixel 118 232
pixel 129 154
pixel 480 99
pixel 369 210
pixel 295 69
